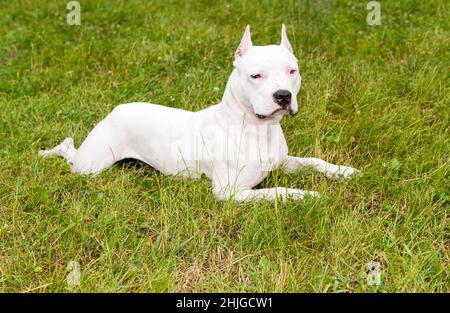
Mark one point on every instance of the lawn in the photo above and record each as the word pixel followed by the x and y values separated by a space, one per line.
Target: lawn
pixel 373 97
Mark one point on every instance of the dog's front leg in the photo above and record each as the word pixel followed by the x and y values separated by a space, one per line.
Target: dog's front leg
pixel 265 194
pixel 292 164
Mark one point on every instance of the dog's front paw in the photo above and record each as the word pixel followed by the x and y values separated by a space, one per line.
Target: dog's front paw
pixel 312 194
pixel 343 172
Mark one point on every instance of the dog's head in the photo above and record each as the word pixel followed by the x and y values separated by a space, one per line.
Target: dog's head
pixel 269 76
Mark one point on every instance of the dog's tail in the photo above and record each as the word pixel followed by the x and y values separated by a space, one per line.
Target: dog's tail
pixel 65 149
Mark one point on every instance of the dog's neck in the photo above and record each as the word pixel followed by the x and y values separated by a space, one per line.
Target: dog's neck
pixel 235 108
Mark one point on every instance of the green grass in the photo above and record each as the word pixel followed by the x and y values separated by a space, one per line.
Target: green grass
pixel 373 97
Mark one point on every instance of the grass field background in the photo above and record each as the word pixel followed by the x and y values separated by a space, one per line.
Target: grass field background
pixel 373 97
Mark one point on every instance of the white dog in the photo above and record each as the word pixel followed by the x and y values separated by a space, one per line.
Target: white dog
pixel 236 143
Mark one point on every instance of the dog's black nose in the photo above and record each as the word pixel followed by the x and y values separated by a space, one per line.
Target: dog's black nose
pixel 283 97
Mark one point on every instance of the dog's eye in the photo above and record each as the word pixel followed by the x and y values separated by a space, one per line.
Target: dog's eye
pixel 255 76
pixel 292 72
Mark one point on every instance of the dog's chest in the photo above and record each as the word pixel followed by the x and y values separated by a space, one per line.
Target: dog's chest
pixel 264 147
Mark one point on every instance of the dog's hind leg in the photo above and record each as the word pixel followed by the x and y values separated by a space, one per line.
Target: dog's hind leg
pixel 105 145
pixel 65 149
pixel 102 148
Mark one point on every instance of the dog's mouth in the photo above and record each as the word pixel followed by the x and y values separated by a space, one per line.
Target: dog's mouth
pixel 261 117
pixel 289 110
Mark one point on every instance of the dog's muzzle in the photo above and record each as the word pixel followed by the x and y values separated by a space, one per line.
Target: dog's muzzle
pixel 288 110
pixel 283 98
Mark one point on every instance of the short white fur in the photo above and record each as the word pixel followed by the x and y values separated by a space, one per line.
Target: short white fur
pixel 151 133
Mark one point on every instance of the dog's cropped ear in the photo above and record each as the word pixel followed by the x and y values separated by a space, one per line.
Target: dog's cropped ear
pixel 246 43
pixel 284 39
